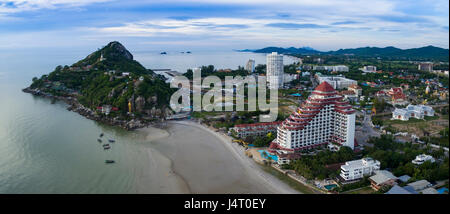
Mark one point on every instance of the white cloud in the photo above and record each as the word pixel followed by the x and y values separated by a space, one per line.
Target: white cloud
pixel 14 6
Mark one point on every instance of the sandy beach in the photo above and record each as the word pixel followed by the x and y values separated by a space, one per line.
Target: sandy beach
pixel 196 159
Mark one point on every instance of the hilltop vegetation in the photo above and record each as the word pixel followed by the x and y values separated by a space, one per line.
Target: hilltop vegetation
pixel 109 76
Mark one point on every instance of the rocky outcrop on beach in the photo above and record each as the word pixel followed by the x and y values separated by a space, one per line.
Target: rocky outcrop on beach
pixel 77 107
pixel 114 88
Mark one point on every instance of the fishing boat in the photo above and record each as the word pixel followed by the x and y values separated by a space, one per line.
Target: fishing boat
pixel 163 52
pixel 109 161
pixel 99 140
pixel 106 147
pixel 111 140
pixel 101 135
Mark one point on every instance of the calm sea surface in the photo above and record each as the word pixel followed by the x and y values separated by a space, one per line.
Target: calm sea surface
pixel 46 149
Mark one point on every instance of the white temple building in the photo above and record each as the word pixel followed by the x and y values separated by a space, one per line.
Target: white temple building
pixel 415 111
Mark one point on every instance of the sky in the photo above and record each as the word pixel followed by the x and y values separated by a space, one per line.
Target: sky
pixel 223 24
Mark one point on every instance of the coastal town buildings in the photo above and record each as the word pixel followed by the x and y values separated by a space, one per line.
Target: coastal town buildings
pixel 415 111
pixel 357 169
pixel 349 95
pixel 420 185
pixel 369 69
pixel 255 129
pixel 381 179
pixel 426 66
pixel 275 70
pixel 250 66
pixel 420 159
pixel 355 88
pixel 322 119
pixel 337 82
pixel 393 96
pixel 337 68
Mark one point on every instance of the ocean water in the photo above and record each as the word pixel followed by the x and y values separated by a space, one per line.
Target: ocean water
pixel 46 149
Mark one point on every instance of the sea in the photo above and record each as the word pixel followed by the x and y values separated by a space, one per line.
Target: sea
pixel 44 148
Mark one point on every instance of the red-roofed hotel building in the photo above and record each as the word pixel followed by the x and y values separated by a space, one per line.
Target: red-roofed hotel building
pixel 323 118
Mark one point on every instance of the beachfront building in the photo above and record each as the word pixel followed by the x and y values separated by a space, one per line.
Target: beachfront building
pixel 337 82
pixel 415 111
pixel 357 169
pixel 323 118
pixel 420 159
pixel 255 129
pixel 250 66
pixel 275 70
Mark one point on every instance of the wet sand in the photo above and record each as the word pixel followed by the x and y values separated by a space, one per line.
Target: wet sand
pixel 199 160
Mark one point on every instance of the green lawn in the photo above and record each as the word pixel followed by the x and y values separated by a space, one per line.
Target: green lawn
pixel 364 190
pixel 289 181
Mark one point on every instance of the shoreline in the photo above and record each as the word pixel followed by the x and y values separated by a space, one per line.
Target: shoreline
pixel 175 182
pixel 77 107
pixel 275 185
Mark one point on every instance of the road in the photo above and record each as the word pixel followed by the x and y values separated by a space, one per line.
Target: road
pixel 366 131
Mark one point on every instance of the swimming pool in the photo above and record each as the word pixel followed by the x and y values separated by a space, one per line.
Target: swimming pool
pixel 330 187
pixel 442 190
pixel 274 157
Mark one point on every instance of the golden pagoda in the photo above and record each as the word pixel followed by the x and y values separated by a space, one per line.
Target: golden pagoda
pixel 129 106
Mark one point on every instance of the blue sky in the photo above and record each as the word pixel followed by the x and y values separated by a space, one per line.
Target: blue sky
pixel 223 24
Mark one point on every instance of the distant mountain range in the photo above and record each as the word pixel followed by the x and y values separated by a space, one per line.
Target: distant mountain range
pixel 291 50
pixel 423 53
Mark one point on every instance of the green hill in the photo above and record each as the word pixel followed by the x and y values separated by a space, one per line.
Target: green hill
pixel 109 76
pixel 429 53
pixel 424 53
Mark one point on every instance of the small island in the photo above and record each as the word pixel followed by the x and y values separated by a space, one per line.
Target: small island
pixel 108 86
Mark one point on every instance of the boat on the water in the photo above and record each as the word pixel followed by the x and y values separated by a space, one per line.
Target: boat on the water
pixel 111 140
pixel 101 135
pixel 188 52
pixel 99 140
pixel 109 161
pixel 106 147
pixel 163 52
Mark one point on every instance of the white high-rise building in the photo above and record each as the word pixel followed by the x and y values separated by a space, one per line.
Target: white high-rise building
pixel 275 70
pixel 323 118
pixel 250 66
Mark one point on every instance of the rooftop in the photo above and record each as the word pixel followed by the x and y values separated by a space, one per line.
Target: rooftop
pixel 430 191
pixel 325 87
pixel 404 178
pixel 398 190
pixel 382 176
pixel 419 185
